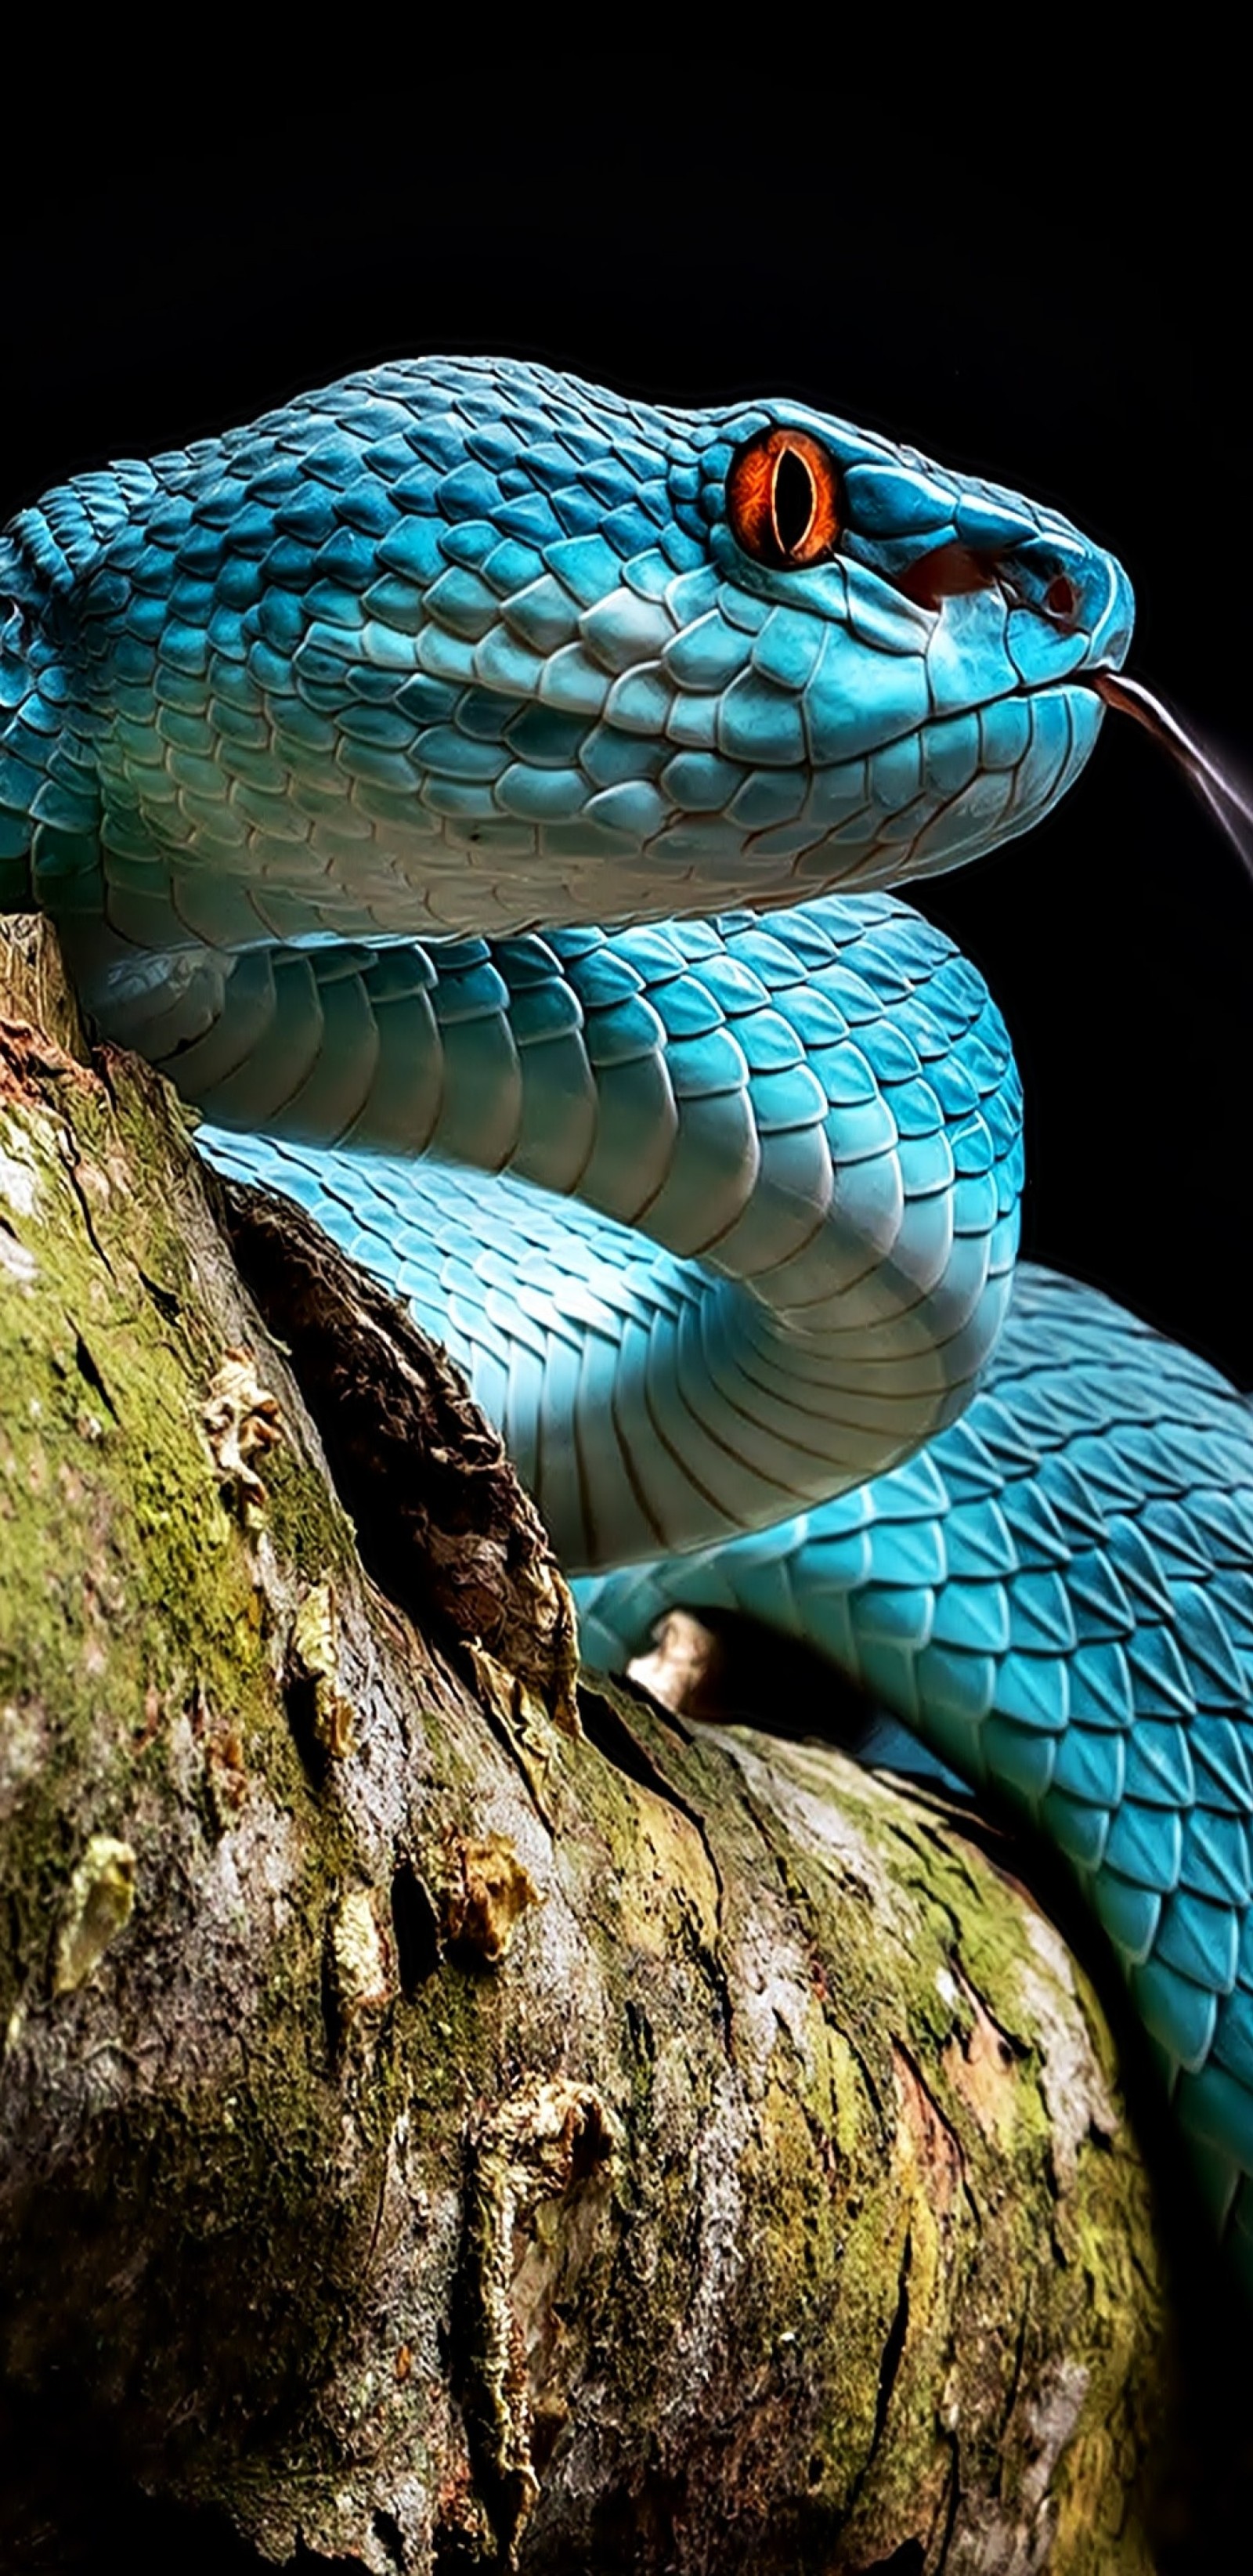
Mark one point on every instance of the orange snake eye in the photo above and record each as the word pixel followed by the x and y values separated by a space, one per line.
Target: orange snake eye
pixel 783 499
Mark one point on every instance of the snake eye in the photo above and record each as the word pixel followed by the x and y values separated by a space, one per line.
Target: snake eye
pixel 783 499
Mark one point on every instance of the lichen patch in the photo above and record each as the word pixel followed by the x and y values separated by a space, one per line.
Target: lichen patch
pixel 486 1891
pixel 97 1907
pixel 19 1183
pixel 313 1655
pixel 540 2199
pixel 242 1420
pixel 363 1968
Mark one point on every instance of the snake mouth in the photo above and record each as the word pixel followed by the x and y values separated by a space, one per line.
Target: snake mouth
pixel 1225 795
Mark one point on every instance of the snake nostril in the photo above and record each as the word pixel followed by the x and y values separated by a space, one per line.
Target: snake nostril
pixel 1061 599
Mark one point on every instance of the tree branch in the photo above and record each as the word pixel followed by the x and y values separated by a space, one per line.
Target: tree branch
pixel 432 2130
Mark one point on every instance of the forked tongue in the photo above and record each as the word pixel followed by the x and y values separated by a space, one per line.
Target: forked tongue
pixel 1227 797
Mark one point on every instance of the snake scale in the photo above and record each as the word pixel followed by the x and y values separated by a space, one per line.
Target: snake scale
pixel 469 764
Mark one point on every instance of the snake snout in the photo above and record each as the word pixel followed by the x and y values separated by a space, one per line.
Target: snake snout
pixel 1077 590
pixel 1069 605
pixel 1111 615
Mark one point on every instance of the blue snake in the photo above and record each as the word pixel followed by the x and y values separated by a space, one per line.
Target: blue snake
pixel 467 764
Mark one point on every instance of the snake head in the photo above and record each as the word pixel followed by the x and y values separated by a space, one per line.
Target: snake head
pixel 461 645
pixel 930 658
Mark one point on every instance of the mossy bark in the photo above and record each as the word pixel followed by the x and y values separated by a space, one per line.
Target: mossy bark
pixel 433 2131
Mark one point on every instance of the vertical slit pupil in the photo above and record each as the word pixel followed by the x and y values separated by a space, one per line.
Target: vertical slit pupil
pixel 793 500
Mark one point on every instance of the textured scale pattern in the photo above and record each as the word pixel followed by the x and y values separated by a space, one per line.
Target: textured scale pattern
pixel 1058 1597
pixel 397 772
pixel 803 1098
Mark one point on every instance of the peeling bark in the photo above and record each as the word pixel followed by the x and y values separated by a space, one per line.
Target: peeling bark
pixel 446 2125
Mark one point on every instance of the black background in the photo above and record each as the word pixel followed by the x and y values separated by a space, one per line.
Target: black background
pixel 962 249
pixel 1012 296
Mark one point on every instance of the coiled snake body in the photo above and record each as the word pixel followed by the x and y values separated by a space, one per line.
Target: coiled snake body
pixel 327 743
